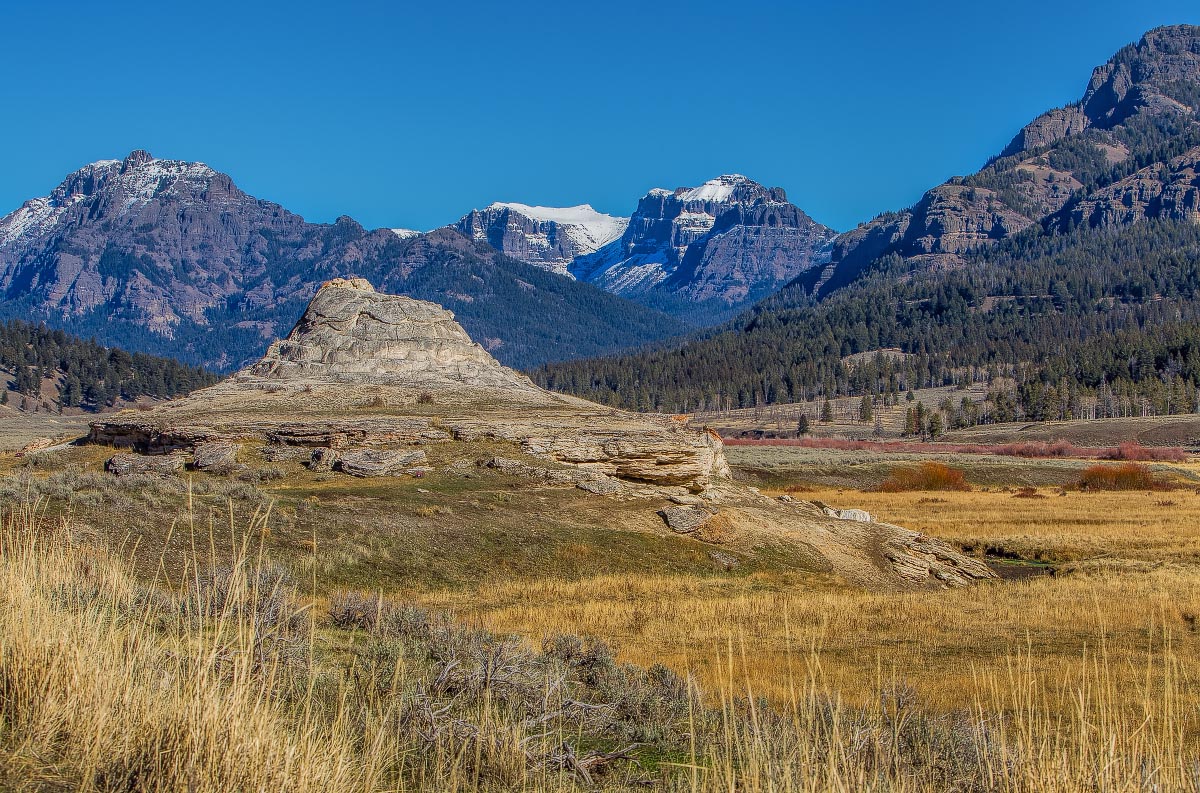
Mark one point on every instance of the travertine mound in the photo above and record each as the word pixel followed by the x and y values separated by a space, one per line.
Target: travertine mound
pixel 350 333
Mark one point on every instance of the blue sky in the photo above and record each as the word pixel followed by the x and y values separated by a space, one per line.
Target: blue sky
pixel 405 114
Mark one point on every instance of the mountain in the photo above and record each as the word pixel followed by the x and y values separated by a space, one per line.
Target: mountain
pixel 546 237
pixel 1063 273
pixel 170 257
pixel 1138 109
pixel 705 252
pixel 701 254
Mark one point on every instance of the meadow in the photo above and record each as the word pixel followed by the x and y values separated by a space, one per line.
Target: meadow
pixel 214 653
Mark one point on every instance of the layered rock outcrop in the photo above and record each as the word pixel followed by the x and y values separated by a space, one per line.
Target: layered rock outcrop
pixel 350 333
pixel 373 385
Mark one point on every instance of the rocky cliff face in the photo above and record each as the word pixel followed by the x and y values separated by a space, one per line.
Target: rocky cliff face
pixel 1139 107
pixel 1169 190
pixel 546 237
pixel 710 249
pixel 1155 75
pixel 171 257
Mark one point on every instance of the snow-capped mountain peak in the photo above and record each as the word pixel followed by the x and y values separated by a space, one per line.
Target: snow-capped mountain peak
pixel 129 183
pixel 589 228
pixel 718 190
pixel 547 237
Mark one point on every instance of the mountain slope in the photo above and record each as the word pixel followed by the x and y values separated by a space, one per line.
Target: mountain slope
pixel 701 253
pixel 1138 109
pixel 1071 266
pixel 44 369
pixel 171 257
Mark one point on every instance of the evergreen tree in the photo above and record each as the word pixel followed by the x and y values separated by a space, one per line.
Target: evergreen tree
pixel 802 424
pixel 866 409
pixel 827 412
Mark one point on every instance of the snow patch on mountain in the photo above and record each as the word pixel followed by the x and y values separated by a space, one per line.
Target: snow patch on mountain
pixel 406 234
pixel 719 189
pixel 589 229
pixel 136 181
pixel 38 216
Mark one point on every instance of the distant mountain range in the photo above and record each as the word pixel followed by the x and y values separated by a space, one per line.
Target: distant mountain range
pixel 170 257
pixel 701 253
pixel 1069 264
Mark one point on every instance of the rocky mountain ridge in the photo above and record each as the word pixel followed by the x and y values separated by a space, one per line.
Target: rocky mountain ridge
pixel 700 253
pixel 1139 108
pixel 547 237
pixel 707 251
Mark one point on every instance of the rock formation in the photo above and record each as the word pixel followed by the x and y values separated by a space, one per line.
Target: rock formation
pixel 363 369
pixel 547 237
pixel 1169 191
pixel 1053 163
pixel 723 245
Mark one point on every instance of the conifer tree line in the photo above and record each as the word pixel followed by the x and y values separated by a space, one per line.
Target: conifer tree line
pixel 90 375
pixel 1089 323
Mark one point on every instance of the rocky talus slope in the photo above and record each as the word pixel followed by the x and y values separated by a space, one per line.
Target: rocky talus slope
pixel 378 385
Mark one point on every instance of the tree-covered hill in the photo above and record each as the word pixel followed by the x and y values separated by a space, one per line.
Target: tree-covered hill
pixel 1115 310
pixel 41 367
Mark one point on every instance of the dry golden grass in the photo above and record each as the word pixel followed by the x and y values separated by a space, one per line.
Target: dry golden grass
pixel 1145 527
pixel 1079 684
pixel 1132 590
pixel 946 645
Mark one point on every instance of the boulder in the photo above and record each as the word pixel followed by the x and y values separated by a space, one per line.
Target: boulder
pixel 36 445
pixel 599 484
pixel 377 462
pixel 685 520
pixel 215 457
pixel 860 515
pixel 132 464
pixel 322 460
pixel 508 465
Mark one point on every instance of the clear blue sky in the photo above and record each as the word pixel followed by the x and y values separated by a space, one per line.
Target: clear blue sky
pixel 411 114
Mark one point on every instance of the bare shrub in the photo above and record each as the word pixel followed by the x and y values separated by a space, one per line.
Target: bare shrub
pixel 1029 492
